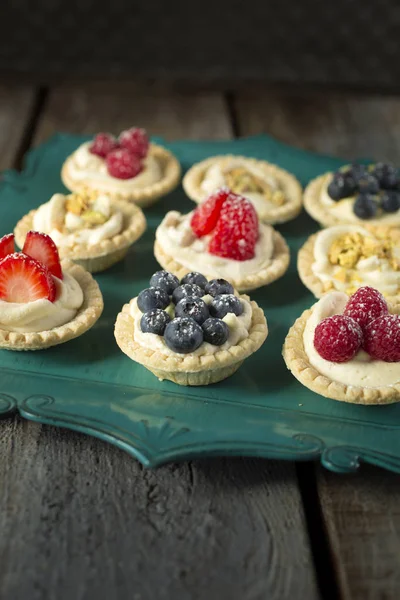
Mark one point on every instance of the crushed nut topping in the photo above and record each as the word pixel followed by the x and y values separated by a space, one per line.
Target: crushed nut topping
pixel 82 206
pixel 241 181
pixel 348 249
pixel 93 217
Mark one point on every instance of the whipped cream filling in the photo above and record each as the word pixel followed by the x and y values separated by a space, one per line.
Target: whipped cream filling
pixel 68 229
pixel 177 239
pixel 343 209
pixel 83 165
pixel 42 315
pixel 239 327
pixel 214 178
pixel 374 271
pixel 362 370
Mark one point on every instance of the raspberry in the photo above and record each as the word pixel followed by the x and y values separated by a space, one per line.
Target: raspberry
pixel 135 140
pixel 236 232
pixel 382 338
pixel 337 338
pixel 366 305
pixel 206 215
pixel 122 164
pixel 103 144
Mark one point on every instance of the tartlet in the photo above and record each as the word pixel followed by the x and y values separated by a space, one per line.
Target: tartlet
pixel 346 257
pixel 370 373
pixel 37 290
pixel 186 338
pixel 91 229
pixel 129 168
pixel 356 194
pixel 275 193
pixel 222 238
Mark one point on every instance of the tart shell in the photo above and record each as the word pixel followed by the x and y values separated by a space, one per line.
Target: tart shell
pixel 100 256
pixel 288 182
pixel 298 363
pixel 186 369
pixel 142 196
pixel 276 269
pixel 85 318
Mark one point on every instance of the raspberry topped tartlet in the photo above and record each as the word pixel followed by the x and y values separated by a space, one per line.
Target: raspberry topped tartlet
pixel 193 331
pixel 348 348
pixel 91 229
pixel 43 302
pixel 356 194
pixel 222 238
pixel 346 257
pixel 127 168
pixel 275 193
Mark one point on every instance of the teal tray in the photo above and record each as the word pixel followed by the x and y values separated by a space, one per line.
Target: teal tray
pixel 88 385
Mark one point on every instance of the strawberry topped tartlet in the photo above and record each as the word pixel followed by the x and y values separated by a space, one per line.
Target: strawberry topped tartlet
pixel 92 229
pixel 43 302
pixel 129 167
pixel 222 238
pixel 348 348
pixel 192 331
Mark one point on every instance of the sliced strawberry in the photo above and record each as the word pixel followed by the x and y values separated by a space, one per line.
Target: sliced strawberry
pixel 41 247
pixel 236 233
pixel 6 245
pixel 206 215
pixel 23 279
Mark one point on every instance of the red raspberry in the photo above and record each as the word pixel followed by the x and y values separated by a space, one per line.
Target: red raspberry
pixel 122 164
pixel 382 338
pixel 206 215
pixel 337 338
pixel 135 140
pixel 366 305
pixel 236 232
pixel 103 144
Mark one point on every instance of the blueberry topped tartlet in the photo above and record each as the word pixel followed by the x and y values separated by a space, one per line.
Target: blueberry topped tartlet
pixel 191 331
pixel 356 194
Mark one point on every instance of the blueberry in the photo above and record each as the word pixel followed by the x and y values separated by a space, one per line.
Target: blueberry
pixel 153 297
pixel 365 206
pixel 215 331
pixel 387 175
pixel 224 304
pixel 356 171
pixel 219 286
pixel 185 290
pixel 196 278
pixel 154 321
pixel 341 186
pixel 368 185
pixel 164 280
pixel 183 335
pixel 192 307
pixel 390 201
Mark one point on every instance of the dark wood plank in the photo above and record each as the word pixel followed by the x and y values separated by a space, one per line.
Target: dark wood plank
pixel 360 511
pixel 16 103
pixel 81 519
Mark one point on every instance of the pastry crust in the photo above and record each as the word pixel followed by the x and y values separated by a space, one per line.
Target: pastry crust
pixel 305 260
pixel 141 196
pixel 85 318
pixel 275 270
pixel 100 256
pixel 321 213
pixel 288 182
pixel 185 369
pixel 298 363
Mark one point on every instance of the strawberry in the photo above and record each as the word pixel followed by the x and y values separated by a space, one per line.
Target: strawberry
pixel 236 233
pixel 206 215
pixel 6 245
pixel 41 247
pixel 24 279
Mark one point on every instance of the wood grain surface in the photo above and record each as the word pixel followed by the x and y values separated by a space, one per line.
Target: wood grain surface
pixel 80 519
pixel 16 106
pixel 361 511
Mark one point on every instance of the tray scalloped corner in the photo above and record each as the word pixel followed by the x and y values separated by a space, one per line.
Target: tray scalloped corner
pixel 88 385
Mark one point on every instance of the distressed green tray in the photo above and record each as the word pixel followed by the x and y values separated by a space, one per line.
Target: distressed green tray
pixel 88 385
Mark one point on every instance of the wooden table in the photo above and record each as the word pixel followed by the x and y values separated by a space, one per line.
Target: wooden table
pixel 80 519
